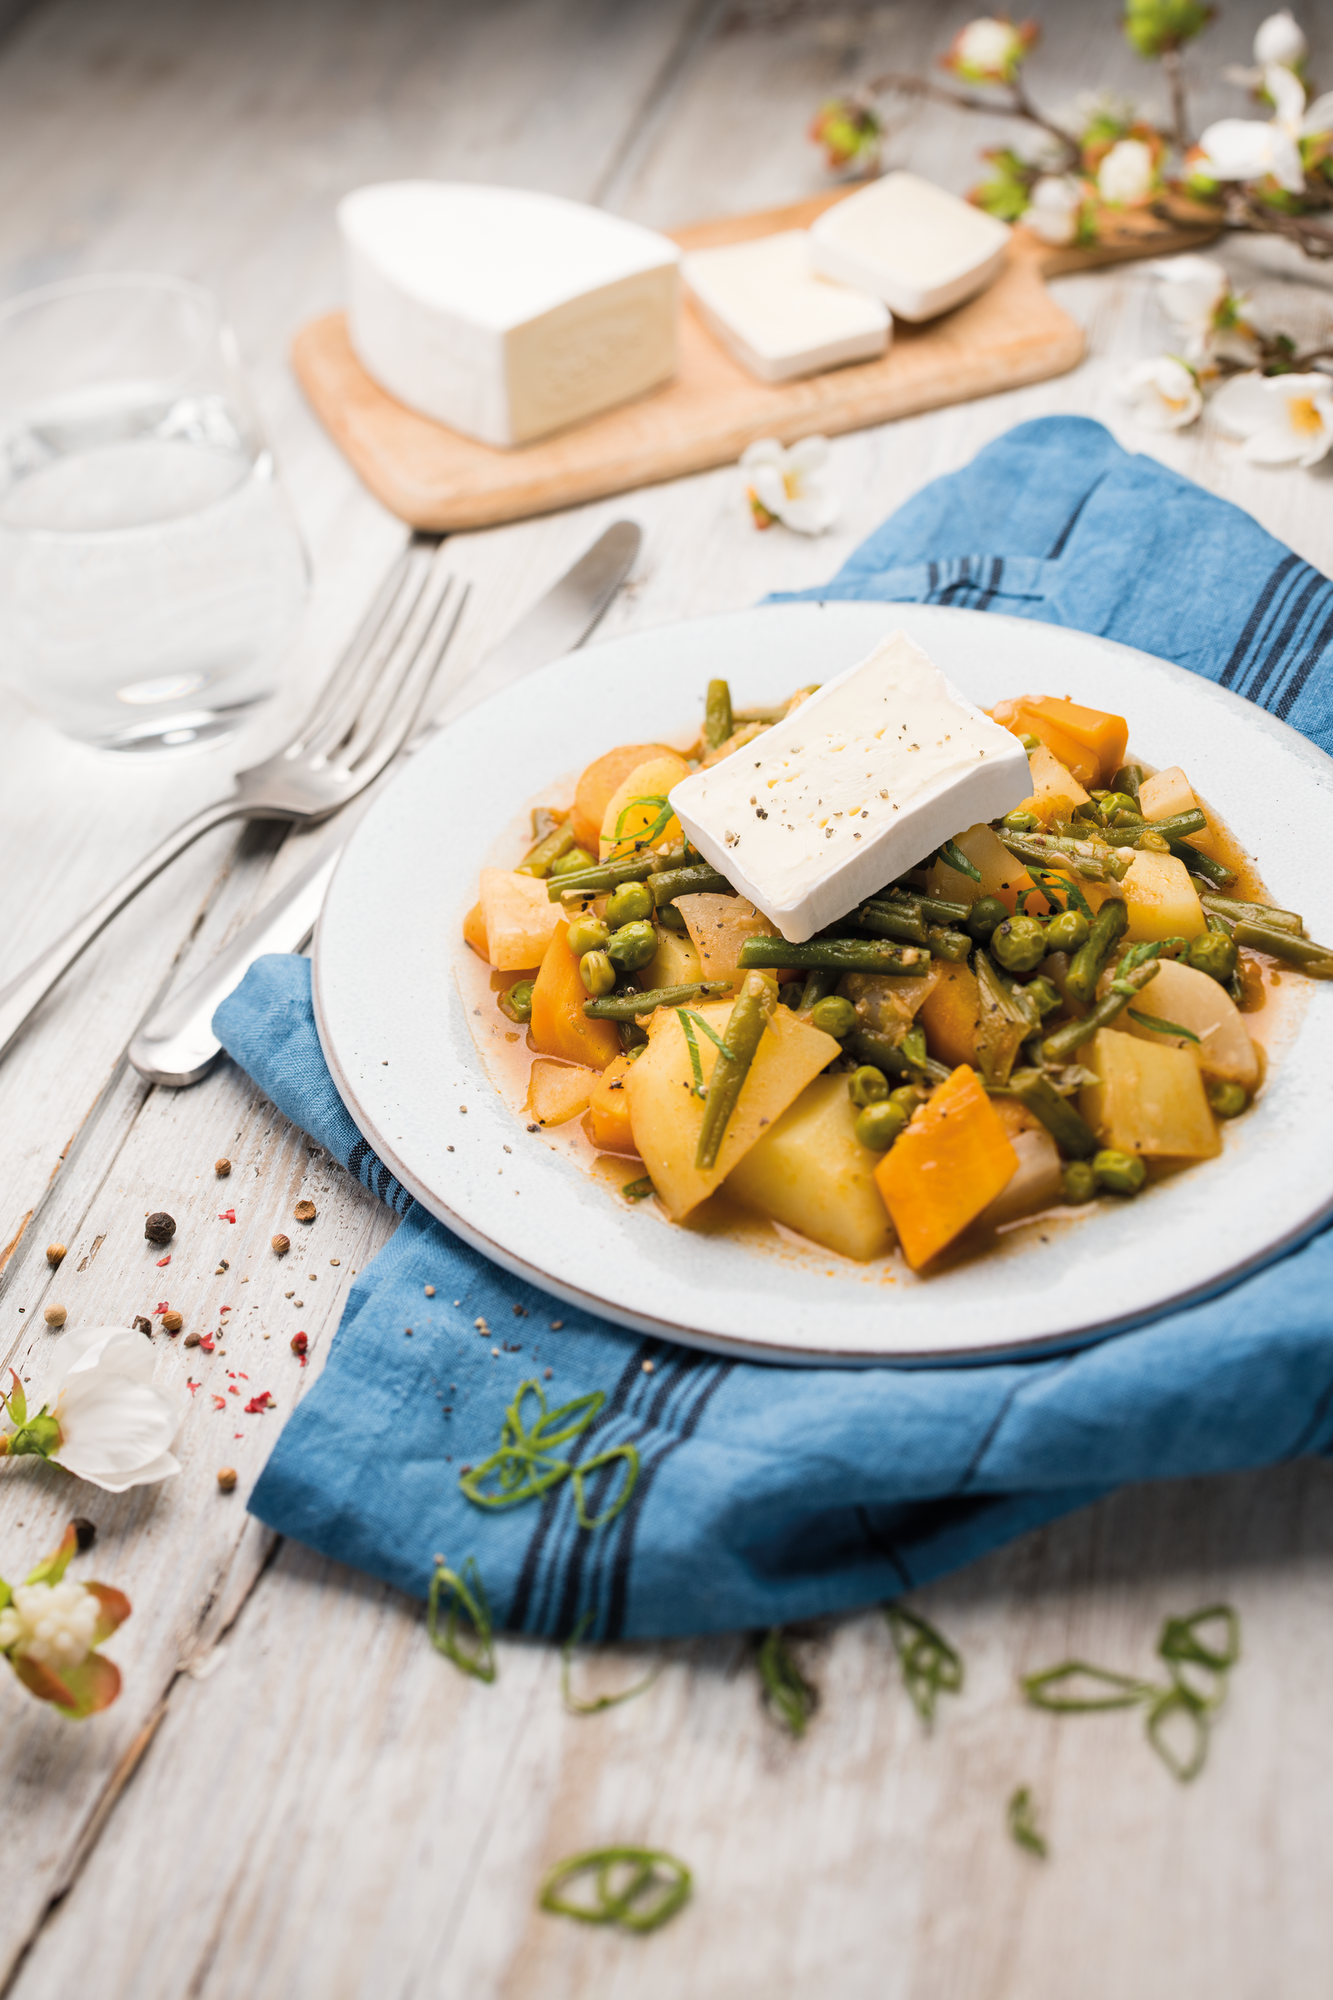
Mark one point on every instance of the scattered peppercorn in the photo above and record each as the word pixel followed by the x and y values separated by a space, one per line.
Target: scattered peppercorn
pixel 142 1325
pixel 300 1343
pixel 85 1532
pixel 222 1168
pixel 159 1226
pixel 55 1315
pixel 55 1253
pixel 172 1322
pixel 227 1479
pixel 281 1245
pixel 305 1211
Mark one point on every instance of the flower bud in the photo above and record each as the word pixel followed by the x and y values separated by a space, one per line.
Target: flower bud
pixel 1279 40
pixel 989 50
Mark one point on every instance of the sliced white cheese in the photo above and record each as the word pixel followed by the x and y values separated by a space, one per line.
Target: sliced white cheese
pixel 865 779
pixel 912 244
pixel 767 304
pixel 505 314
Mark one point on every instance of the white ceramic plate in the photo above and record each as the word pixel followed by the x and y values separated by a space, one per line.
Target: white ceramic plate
pixel 390 981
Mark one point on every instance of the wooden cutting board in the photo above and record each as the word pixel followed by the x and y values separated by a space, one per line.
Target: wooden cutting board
pixel 432 478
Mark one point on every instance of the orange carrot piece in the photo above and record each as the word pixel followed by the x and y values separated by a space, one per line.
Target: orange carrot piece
pixel 608 1110
pixel 1088 741
pixel 474 932
pixel 559 1025
pixel 950 1163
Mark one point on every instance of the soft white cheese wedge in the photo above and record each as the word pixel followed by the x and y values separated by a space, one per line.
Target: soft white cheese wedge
pixel 766 303
pixel 505 314
pixel 912 244
pixel 864 780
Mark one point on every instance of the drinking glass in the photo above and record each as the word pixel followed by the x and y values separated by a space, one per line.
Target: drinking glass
pixel 151 573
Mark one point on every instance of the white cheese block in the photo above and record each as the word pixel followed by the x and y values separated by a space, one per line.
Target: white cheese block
pixel 767 304
pixel 912 244
pixel 864 780
pixel 504 314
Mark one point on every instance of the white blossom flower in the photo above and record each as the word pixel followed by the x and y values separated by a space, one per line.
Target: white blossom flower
pixel 989 50
pixel 1127 172
pixel 785 485
pixel 53 1623
pixel 1054 210
pixel 115 1427
pixel 1281 419
pixel 1163 392
pixel 1249 149
pixel 1215 322
pixel 1279 40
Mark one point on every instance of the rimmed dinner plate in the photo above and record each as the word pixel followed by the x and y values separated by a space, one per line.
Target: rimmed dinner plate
pixel 395 986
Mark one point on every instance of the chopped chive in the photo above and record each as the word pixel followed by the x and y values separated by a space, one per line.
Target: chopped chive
pixel 656 1886
pixel 638 1190
pixel 1161 1026
pixel 525 1466
pixel 466 1594
pixel 787 1692
pixel 953 857
pixel 1022 1817
pixel 715 1039
pixel 646 835
pixel 572 1702
pixel 1046 1689
pixel 931 1666
pixel 683 1016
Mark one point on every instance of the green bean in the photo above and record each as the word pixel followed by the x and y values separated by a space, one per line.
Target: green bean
pixel 1090 860
pixel 1128 779
pixel 818 985
pixel 1178 827
pixel 834 1016
pixel 835 955
pixel 631 903
pixel 1203 865
pixel 628 1006
pixel 935 909
pixel 1117 1172
pixel 1254 913
pixel 670 919
pixel 1044 995
pixel 952 946
pixel 867 1085
pixel 540 859
pixel 1078 1181
pixel 914 1045
pixel 698 879
pixel 1070 1132
pixel 745 1025
pixel 893 921
pixel 717 714
pixel 878 1125
pixel 1085 968
pixel 516 1003
pixel 1060 1046
pixel 592 881
pixel 1011 1000
pixel 574 861
pixel 866 1046
pixel 1315 960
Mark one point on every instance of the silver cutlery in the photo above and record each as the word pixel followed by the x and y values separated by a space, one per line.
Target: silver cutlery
pixel 177 1046
pixel 360 723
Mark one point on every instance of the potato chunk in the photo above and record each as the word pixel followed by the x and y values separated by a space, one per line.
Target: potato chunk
pixel 558 1091
pixel 1179 993
pixel 1055 789
pixel 1167 793
pixel 1147 1100
pixel 518 918
pixel 676 962
pixel 666 1116
pixel 1001 875
pixel 811 1172
pixel 596 785
pixel 718 927
pixel 638 805
pixel 1161 898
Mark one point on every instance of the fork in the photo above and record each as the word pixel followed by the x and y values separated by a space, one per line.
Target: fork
pixel 360 722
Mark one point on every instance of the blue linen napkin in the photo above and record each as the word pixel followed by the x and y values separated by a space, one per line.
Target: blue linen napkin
pixel 767 1494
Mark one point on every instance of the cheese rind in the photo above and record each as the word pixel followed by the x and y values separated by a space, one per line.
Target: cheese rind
pixel 502 313
pixel 767 304
pixel 912 244
pixel 865 779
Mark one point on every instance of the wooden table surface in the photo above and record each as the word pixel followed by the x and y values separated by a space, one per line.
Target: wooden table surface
pixel 295 1796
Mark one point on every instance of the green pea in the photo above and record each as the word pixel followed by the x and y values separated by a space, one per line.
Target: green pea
pixel 867 1085
pixel 1030 743
pixel 632 946
pixel 1080 1182
pixel 914 1046
pixel 1019 944
pixel 571 863
pixel 985 917
pixel 587 933
pixel 633 1038
pixel 1067 931
pixel 908 1097
pixel 629 904
pixel 1227 1099
pixel 1020 822
pixel 879 1125
pixel 1044 993
pixel 597 973
pixel 835 1015
pixel 670 918
pixel 517 1002
pixel 1118 1173
pixel 1214 953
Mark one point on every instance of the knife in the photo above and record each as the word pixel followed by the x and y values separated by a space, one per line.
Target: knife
pixel 176 1045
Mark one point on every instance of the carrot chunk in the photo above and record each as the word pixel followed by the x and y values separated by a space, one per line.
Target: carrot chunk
pixel 1088 741
pixel 608 1110
pixel 559 1025
pixel 950 1163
